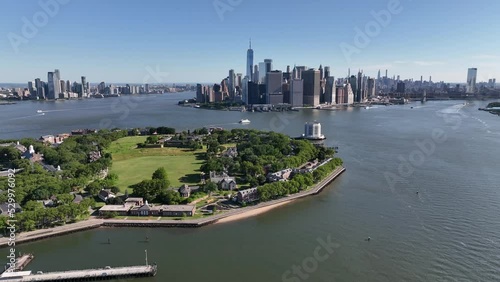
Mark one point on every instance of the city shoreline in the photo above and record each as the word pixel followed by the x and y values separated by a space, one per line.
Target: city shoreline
pixel 230 216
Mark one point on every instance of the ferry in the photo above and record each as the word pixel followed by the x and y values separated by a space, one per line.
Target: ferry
pixel 244 121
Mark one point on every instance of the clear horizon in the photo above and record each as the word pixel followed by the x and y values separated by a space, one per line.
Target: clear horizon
pixel 202 39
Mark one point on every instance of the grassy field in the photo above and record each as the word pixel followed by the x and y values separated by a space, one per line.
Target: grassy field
pixel 132 165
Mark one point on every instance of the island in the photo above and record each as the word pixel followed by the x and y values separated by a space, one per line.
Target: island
pixel 155 177
pixel 493 108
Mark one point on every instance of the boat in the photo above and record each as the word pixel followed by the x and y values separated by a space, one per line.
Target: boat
pixel 197 106
pixel 244 121
pixel 39 111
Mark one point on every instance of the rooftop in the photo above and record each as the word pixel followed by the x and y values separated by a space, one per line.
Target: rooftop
pixel 112 208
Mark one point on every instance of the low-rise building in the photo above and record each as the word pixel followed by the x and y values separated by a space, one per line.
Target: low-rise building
pixel 163 210
pixel 121 210
pixel 248 195
pixel 143 210
pixel 282 175
pixel 223 181
pixel 231 153
pixel 106 194
pixel 185 191
pixel 178 210
pixel 136 202
pixel 227 184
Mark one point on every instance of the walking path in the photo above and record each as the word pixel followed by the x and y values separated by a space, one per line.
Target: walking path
pixel 222 217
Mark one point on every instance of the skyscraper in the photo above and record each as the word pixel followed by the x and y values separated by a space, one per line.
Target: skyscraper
pixel 371 88
pixel 200 97
pixel 255 73
pixel 239 77
pixel 262 73
pixel 330 89
pixel 297 92
pixel 327 72
pixel 299 70
pixel 359 89
pixel 353 83
pixel 31 88
pixel 52 85
pixel 57 75
pixel 274 82
pixel 63 86
pixel 250 62
pixel 245 90
pixel 84 86
pixel 471 80
pixel 269 65
pixel 312 85
pixel 232 83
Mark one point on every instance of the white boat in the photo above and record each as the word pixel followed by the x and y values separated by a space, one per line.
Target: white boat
pixel 244 121
pixel 39 111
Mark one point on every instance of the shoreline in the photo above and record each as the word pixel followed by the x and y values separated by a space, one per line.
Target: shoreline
pixel 226 217
pixel 251 213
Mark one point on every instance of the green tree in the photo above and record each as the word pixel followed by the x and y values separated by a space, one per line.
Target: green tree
pixel 152 139
pixel 65 199
pixel 94 188
pixel 160 175
pixel 211 187
pixel 170 197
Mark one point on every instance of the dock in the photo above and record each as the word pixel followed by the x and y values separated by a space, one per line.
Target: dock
pixel 106 273
pixel 21 263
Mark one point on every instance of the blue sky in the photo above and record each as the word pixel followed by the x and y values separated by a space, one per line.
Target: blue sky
pixel 193 41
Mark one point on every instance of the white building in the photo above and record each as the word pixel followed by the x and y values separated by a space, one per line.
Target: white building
pixel 313 131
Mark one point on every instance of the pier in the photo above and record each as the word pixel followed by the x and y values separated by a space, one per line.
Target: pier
pixel 21 263
pixel 106 273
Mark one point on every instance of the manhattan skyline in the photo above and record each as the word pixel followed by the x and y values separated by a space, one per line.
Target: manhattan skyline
pixel 200 40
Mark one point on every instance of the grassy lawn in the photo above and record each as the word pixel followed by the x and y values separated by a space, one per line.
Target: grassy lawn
pixel 132 165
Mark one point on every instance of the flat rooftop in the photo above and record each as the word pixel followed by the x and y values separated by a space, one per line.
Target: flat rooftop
pixel 183 208
pixel 111 208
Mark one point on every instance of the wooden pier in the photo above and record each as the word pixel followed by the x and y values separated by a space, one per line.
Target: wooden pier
pixel 106 273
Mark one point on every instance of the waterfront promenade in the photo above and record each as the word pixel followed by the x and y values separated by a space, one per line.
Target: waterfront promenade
pixel 222 217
